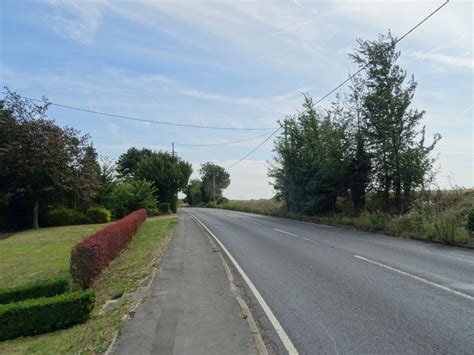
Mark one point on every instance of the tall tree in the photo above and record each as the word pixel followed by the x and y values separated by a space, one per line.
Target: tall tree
pixel 168 173
pixel 40 161
pixel 127 163
pixel 390 124
pixel 214 180
pixel 311 163
pixel 193 192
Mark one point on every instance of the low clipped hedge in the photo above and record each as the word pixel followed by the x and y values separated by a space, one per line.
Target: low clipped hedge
pixel 92 255
pixel 64 216
pixel 45 314
pixel 42 288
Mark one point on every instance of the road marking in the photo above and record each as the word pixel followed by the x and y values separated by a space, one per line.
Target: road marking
pixel 275 323
pixel 434 284
pixel 249 221
pixel 293 235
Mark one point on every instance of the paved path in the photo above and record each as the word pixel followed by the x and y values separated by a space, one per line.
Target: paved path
pixel 338 291
pixel 191 310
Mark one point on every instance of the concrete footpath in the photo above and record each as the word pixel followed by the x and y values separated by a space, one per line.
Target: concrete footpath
pixel 192 309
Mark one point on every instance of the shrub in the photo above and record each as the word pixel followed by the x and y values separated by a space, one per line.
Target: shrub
pixel 42 288
pixel 64 216
pixel 222 200
pixel 165 207
pixel 98 214
pixel 92 255
pixel 131 195
pixel 470 221
pixel 44 314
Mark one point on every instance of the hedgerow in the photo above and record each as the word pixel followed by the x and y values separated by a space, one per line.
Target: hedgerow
pixel 41 288
pixel 45 314
pixel 92 255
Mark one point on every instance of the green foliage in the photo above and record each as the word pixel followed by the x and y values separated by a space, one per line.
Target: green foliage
pixel 41 288
pixel 165 208
pixel 312 161
pixel 127 164
pixel 168 173
pixel 44 314
pixel 98 214
pixel 131 195
pixel 41 162
pixel 214 179
pixel 193 193
pixel 64 216
pixel 470 221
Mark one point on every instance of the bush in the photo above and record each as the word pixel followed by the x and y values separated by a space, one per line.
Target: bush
pixel 44 314
pixel 98 214
pixel 64 216
pixel 42 288
pixel 222 200
pixel 132 195
pixel 470 221
pixel 165 208
pixel 92 255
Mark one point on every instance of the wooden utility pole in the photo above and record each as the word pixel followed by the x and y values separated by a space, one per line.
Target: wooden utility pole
pixel 172 149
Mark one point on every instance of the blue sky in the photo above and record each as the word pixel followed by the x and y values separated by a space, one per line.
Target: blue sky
pixel 230 63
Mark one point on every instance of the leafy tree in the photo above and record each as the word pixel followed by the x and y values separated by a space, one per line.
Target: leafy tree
pixel 127 163
pixel 312 160
pixel 193 192
pixel 401 160
pixel 168 173
pixel 107 180
pixel 40 161
pixel 130 195
pixel 214 179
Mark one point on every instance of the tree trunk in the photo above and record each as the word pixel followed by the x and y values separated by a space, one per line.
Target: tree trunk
pixel 35 213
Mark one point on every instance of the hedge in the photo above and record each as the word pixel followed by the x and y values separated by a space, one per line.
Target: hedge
pixel 42 288
pixel 45 314
pixel 98 214
pixel 64 216
pixel 92 255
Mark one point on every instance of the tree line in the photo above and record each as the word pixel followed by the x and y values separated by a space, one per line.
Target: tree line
pixel 370 140
pixel 51 174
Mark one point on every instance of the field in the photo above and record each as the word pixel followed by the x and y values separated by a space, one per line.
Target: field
pixel 41 253
pixel 439 216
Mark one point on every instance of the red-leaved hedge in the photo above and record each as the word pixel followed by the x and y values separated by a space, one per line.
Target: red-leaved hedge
pixel 92 255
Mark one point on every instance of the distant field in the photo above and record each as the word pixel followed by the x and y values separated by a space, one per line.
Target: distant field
pixel 39 253
pixel 123 275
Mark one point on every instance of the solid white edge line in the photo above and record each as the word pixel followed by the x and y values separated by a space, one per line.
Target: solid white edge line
pixel 434 284
pixel 275 323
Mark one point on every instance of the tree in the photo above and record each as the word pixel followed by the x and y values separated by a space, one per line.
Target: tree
pixel 193 192
pixel 400 159
pixel 127 163
pixel 130 195
pixel 40 161
pixel 214 179
pixel 312 161
pixel 168 173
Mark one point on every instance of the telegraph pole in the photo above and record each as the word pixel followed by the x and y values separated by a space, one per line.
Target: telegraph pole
pixel 172 149
pixel 214 187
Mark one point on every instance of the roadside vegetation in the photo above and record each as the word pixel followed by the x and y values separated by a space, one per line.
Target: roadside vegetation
pixel 122 276
pixel 445 216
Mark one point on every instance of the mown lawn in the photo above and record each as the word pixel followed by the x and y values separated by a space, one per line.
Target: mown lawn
pixel 122 276
pixel 39 253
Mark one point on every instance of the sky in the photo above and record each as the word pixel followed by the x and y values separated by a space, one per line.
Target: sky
pixel 240 64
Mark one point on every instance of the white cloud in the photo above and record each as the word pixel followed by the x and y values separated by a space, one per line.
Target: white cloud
pixel 443 60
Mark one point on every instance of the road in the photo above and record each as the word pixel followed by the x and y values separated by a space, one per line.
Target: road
pixel 337 291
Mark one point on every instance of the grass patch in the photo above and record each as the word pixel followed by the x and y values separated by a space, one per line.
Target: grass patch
pixel 39 253
pixel 123 275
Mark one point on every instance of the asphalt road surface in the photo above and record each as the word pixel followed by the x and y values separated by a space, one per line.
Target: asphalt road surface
pixel 338 291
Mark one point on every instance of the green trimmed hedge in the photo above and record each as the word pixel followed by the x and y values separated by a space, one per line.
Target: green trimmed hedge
pixel 42 288
pixel 99 214
pixel 42 315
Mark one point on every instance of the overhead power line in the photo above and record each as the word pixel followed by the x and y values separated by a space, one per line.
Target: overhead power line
pixel 347 80
pixel 222 143
pixel 106 114
pixel 254 149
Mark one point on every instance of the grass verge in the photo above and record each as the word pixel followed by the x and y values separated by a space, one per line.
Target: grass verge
pixel 441 217
pixel 123 275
